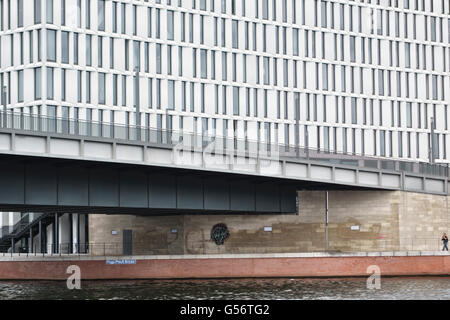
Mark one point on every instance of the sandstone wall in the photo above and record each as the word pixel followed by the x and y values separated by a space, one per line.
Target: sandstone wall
pixel 422 221
pixel 384 221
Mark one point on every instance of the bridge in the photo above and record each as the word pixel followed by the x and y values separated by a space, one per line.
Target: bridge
pixel 56 165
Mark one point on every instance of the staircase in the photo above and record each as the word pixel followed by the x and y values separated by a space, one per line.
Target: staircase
pixel 28 223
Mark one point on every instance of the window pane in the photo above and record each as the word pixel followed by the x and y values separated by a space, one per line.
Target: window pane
pixel 170 27
pixel 158 58
pixel 51 45
pixel 49 11
pixel 65 47
pixel 88 50
pixel 171 93
pixel 204 63
pixel 20 86
pixel 37 84
pixel 101 88
pixel 236 101
pixel 49 83
pixel 37 11
pixel 101 15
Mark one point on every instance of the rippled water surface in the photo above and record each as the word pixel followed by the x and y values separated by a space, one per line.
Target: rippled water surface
pixel 285 289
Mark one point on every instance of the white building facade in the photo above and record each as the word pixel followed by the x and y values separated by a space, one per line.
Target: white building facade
pixel 362 77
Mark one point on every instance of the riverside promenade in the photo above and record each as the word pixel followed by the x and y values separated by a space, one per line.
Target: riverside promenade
pixel 408 263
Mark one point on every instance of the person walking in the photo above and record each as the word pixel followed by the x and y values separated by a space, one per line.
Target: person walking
pixel 445 241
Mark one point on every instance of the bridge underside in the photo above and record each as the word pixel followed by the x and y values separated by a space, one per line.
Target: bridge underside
pixel 33 184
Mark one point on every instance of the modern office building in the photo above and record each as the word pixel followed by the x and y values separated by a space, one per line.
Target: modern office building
pixel 361 77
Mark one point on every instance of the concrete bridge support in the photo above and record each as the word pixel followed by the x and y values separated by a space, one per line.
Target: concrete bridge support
pixel 66 234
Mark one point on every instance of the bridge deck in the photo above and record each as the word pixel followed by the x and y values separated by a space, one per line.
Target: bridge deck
pixel 36 136
pixel 322 168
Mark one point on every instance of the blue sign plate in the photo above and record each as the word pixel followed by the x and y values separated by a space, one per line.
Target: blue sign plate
pixel 120 261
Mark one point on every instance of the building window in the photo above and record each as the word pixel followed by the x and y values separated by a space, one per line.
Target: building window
pixel 88 13
pixel 20 86
pixel 101 88
pixel 37 11
pixel 101 15
pixel 63 84
pixel 51 45
pixel 88 87
pixel 38 83
pixel 170 25
pixel 88 50
pixel 204 63
pixel 236 101
pixel 50 94
pixel 171 95
pixel 65 47
pixel 49 11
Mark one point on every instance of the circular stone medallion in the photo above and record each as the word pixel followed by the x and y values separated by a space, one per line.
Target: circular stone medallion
pixel 219 233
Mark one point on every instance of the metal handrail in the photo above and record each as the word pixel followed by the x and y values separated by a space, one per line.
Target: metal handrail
pixel 250 247
pixel 24 222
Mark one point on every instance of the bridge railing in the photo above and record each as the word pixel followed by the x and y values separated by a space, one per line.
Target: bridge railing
pixel 208 248
pixel 210 143
pixel 22 248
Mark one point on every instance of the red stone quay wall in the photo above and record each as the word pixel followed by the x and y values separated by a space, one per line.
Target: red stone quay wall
pixel 249 267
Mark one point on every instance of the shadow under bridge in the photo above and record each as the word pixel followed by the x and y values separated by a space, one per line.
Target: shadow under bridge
pixel 35 184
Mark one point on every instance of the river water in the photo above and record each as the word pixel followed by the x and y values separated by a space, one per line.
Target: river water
pixel 403 288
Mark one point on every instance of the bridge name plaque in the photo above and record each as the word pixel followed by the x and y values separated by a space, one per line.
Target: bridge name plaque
pixel 120 261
